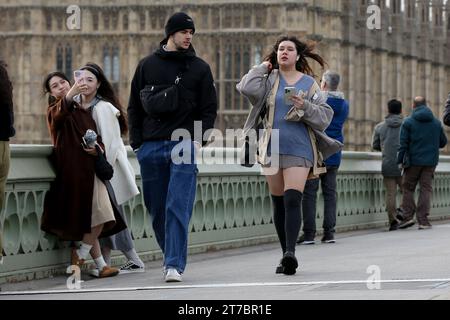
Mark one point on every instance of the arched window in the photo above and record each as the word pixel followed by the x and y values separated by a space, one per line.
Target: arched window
pixel 64 60
pixel 115 65
pixel 59 59
pixel 95 21
pixel 106 21
pixel 48 21
pixel 237 61
pixel 68 62
pixel 228 66
pixel 125 22
pixel 257 56
pixel 115 20
pixel 245 60
pixel 142 18
pixel 111 65
pixel 107 61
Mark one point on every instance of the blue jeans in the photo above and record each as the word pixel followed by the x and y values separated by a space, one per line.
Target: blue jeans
pixel 169 193
pixel 328 182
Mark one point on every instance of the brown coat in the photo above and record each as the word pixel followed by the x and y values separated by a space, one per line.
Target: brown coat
pixel 68 204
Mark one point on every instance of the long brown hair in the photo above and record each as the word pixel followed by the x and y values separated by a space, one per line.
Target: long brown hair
pixel 46 84
pixel 304 50
pixel 107 93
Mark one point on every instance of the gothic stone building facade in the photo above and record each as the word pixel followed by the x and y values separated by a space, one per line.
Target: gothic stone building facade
pixel 407 56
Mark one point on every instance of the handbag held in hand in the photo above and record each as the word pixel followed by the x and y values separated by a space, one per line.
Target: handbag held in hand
pixel 103 169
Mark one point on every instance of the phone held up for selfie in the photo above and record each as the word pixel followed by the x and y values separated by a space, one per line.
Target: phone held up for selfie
pixel 78 74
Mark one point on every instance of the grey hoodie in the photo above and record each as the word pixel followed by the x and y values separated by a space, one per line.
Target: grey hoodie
pixel 386 138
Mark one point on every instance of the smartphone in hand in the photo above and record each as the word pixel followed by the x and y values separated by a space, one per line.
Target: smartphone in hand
pixel 289 92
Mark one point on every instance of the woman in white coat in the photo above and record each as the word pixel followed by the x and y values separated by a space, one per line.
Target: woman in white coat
pixel 111 124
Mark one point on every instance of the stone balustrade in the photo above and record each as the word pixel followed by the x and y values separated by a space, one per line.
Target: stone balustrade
pixel 232 208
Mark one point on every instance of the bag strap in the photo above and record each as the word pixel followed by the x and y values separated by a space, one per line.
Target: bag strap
pixel 181 73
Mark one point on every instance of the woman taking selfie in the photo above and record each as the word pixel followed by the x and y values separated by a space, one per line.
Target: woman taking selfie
pixel 295 114
pixel 77 206
pixel 98 96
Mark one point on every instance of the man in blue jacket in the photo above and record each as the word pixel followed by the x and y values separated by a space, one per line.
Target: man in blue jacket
pixel 421 137
pixel 329 84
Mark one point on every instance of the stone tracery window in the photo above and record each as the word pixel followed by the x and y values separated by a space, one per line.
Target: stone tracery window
pixel 64 60
pixel 111 65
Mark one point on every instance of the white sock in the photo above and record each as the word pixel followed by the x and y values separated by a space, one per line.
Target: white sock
pixel 83 252
pixel 133 256
pixel 100 262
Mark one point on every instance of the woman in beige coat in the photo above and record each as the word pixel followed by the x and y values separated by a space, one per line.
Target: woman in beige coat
pixel 293 145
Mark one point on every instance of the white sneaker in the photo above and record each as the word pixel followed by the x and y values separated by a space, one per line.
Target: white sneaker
pixel 172 275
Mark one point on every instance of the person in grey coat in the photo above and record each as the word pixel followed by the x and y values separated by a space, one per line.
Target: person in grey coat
pixel 386 138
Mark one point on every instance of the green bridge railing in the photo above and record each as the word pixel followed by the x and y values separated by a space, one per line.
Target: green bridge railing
pixel 232 208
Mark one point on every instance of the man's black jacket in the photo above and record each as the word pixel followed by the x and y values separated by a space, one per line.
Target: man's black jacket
pixel 162 68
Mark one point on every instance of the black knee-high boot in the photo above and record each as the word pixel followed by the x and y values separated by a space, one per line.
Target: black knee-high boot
pixel 278 219
pixel 292 205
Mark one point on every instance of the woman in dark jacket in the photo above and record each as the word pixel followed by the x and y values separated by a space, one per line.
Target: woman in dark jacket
pixel 6 132
pixel 77 207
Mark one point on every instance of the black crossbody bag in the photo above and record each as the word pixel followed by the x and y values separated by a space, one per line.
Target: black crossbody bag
pixel 160 100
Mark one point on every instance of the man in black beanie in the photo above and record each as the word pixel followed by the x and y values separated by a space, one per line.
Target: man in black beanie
pixel 179 92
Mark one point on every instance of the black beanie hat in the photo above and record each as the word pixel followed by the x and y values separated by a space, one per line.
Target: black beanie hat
pixel 179 21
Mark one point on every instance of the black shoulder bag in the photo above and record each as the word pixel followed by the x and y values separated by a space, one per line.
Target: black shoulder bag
pixel 163 99
pixel 249 160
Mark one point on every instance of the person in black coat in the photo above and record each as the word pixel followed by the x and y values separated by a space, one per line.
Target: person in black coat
pixel 446 117
pixel 172 96
pixel 6 131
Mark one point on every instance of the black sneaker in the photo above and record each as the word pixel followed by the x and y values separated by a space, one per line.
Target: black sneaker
pixel 394 225
pixel 305 241
pixel 406 224
pixel 131 267
pixel 328 238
